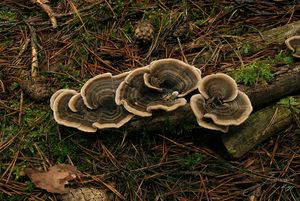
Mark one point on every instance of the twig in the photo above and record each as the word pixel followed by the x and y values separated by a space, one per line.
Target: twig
pixel 21 108
pixel 24 47
pixel 182 53
pixel 76 11
pixel 48 10
pixel 2 86
pixel 34 52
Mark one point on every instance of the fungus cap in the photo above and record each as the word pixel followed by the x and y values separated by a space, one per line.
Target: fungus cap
pixel 98 94
pixel 221 101
pixel 54 96
pixel 138 99
pixel 65 116
pixel 198 106
pixel 107 115
pixel 293 43
pixel 172 75
pixel 230 113
pixel 219 86
pixel 101 85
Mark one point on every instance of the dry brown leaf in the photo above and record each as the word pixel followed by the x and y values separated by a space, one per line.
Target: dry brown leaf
pixel 54 179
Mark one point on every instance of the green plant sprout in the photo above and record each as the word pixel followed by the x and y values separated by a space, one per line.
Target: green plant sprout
pixel 253 73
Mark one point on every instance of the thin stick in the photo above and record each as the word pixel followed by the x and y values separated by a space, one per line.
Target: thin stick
pixel 48 10
pixel 21 108
pixel 34 52
pixel 2 86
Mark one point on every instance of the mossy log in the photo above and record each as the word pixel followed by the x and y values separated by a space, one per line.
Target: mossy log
pixel 260 95
pixel 263 123
pixel 254 42
pixel 259 126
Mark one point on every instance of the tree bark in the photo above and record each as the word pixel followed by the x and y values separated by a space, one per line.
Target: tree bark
pixel 283 85
pixel 262 124
pixel 260 95
pixel 254 43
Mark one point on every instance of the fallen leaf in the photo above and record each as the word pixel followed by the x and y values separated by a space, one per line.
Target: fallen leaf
pixel 55 179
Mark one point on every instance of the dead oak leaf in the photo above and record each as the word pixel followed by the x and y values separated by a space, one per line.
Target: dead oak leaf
pixel 55 179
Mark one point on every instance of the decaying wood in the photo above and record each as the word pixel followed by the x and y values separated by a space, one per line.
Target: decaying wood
pixel 255 42
pixel 260 125
pixel 260 95
pixel 273 36
pixel 282 86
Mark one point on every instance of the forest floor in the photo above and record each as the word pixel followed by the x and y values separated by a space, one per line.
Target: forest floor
pixel 94 37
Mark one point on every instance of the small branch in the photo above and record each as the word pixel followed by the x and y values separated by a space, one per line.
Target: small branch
pixel 21 108
pixel 2 86
pixel 48 10
pixel 24 47
pixel 34 53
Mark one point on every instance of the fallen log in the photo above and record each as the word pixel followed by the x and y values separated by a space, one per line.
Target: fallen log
pixel 254 42
pixel 260 95
pixel 262 124
pixel 283 85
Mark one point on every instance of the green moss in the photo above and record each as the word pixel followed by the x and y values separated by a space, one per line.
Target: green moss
pixel 7 16
pixel 191 161
pixel 228 8
pixel 283 58
pixel 66 76
pixel 29 186
pixel 294 106
pixel 34 126
pixel 288 102
pixel 12 198
pixel 259 70
pixel 157 17
pixel 246 49
pixel 128 29
pixel 253 73
pixel 200 22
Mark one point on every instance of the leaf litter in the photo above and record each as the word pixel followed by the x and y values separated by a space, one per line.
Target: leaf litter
pixel 53 180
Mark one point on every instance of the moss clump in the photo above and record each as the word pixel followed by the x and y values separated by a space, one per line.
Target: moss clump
pixel 191 161
pixel 7 16
pixel 254 73
pixel 260 70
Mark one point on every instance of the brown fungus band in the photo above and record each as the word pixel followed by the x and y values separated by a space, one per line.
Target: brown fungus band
pixel 173 75
pixel 293 43
pixel 106 115
pixel 65 116
pixel 139 99
pixel 220 103
pixel 98 93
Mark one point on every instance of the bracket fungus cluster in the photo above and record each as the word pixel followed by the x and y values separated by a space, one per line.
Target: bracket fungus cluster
pixel 94 107
pixel 107 101
pixel 219 103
